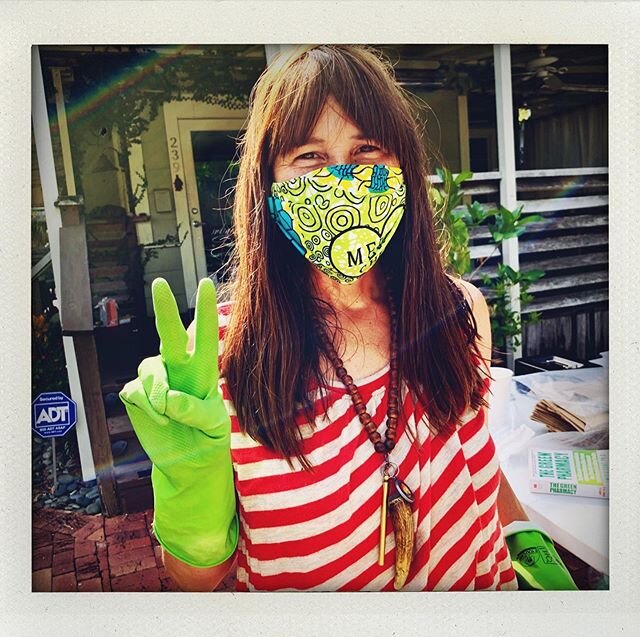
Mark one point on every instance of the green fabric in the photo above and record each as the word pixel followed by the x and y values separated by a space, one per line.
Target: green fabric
pixel 537 563
pixel 179 417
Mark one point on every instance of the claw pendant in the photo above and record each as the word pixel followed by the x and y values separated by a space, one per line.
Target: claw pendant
pixel 397 501
pixel 400 499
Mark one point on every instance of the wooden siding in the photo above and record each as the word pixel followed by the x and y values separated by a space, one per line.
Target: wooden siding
pixel 570 244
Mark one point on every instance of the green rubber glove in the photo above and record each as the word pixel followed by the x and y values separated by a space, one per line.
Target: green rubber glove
pixel 179 417
pixel 535 559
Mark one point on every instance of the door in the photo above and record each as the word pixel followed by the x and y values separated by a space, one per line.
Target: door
pixel 202 153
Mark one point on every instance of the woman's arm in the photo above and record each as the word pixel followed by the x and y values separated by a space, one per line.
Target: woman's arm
pixel 509 507
pixel 192 579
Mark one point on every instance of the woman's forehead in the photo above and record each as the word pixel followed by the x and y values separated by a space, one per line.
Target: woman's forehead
pixel 333 123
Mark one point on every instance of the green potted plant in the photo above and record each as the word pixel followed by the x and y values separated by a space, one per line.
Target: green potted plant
pixel 455 221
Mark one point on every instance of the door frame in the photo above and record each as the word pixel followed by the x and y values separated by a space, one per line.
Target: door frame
pixel 181 118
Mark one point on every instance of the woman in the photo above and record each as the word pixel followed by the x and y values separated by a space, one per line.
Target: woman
pixel 353 369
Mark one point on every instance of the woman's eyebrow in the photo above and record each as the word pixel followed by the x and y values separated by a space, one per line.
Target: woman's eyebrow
pixel 318 140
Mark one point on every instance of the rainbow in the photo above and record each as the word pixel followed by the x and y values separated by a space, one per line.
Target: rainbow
pixel 124 80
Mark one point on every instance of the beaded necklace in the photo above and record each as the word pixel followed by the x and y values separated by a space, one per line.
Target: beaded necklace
pixel 397 497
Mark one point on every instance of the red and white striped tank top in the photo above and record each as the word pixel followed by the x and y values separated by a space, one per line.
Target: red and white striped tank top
pixel 319 530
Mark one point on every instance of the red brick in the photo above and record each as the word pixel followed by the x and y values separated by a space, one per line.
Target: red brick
pixel 65 583
pixel 42 557
pixel 124 536
pixel 132 567
pixel 84 547
pixel 90 585
pixel 130 545
pixel 121 557
pixel 112 525
pixel 135 518
pixel 158 552
pixel 169 586
pixel 149 518
pixel 87 567
pixel 62 542
pixel 96 536
pixel 142 580
pixel 103 560
pixel 135 560
pixel 40 537
pixel 105 576
pixel 62 563
pixel 130 522
pixel 41 581
pixel 90 528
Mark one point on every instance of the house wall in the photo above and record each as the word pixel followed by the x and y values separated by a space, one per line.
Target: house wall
pixel 166 262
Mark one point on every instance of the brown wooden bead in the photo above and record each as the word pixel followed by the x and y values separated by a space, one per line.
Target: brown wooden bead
pixel 380 447
pixel 360 407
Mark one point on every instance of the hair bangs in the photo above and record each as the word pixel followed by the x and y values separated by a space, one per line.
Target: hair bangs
pixel 366 93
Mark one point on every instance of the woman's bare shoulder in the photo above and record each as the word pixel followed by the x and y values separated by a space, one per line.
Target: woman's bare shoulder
pixel 480 311
pixel 471 293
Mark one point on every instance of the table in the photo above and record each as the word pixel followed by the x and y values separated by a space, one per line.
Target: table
pixel 579 524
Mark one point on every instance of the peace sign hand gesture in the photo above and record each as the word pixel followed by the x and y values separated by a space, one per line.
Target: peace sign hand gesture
pixel 179 388
pixel 196 372
pixel 179 417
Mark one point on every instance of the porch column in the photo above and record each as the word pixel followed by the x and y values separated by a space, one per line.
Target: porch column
pixel 64 226
pixel 271 50
pixel 507 166
pixel 44 151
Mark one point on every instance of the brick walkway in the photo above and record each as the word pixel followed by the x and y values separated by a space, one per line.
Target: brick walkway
pixel 75 552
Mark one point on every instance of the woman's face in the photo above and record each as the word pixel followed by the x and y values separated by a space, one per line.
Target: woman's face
pixel 335 139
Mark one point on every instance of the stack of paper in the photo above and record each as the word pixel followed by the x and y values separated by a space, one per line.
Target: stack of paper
pixel 569 400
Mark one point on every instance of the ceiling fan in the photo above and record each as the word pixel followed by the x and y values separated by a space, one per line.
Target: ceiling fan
pixel 541 68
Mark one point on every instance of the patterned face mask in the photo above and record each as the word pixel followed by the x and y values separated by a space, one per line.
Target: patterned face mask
pixel 341 217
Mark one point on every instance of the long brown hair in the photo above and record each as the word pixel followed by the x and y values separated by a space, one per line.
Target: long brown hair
pixel 271 350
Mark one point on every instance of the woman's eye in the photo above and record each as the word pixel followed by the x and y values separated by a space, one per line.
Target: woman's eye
pixel 309 155
pixel 369 148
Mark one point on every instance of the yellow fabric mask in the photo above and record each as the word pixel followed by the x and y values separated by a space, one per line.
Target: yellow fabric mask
pixel 340 217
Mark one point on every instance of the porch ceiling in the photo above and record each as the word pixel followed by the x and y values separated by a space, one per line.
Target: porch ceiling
pixel 550 78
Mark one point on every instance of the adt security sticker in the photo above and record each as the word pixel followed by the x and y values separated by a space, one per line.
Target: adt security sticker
pixel 53 414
